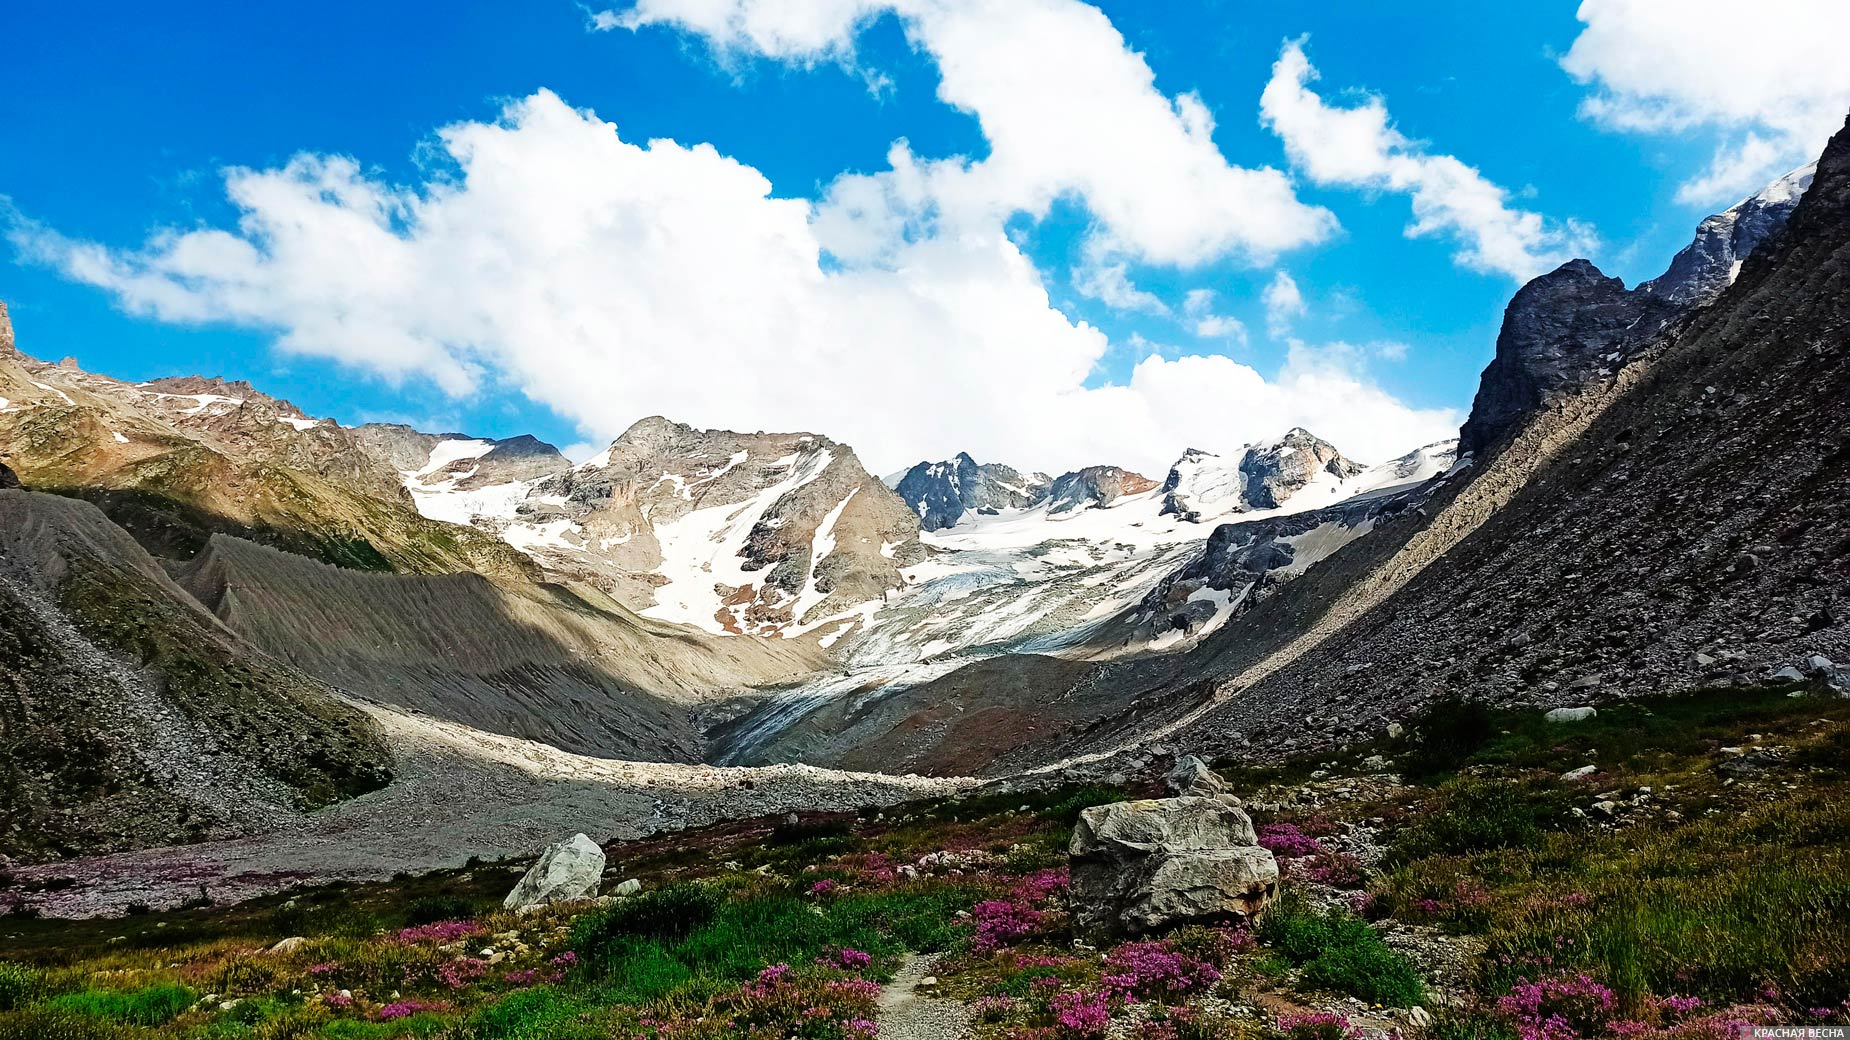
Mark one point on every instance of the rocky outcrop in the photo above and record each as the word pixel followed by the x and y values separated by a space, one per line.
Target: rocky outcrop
pixel 942 492
pixel 6 330
pixel 1574 326
pixel 1141 866
pixel 1702 269
pixel 1202 485
pixel 1094 487
pixel 566 872
pixel 1561 332
pixel 8 478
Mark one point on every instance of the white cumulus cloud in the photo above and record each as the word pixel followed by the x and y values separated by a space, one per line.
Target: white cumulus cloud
pixel 1359 147
pixel 1068 109
pixel 1283 302
pixel 1769 80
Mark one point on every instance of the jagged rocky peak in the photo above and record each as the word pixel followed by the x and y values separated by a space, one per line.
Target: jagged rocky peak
pixel 1262 476
pixel 1560 332
pixel 6 331
pixel 1702 269
pixel 1574 325
pixel 733 532
pixel 941 493
pixel 1094 487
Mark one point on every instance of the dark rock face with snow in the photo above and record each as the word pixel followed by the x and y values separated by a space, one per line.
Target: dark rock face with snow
pixel 1706 266
pixel 1561 332
pixel 1243 561
pixel 942 492
pixel 1264 476
pixel 1094 487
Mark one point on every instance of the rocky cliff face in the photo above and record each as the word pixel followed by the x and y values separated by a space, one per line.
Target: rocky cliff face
pixel 1094 487
pixel 942 492
pixel 1561 332
pixel 1723 242
pixel 1574 326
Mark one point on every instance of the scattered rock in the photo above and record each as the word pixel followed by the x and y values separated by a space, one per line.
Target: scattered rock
pixel 567 871
pixel 1576 774
pixel 1191 776
pixel 289 945
pixel 1138 866
pixel 1787 673
pixel 1571 714
pixel 628 888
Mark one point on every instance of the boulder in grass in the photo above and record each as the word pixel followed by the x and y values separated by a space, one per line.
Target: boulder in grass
pixel 1142 866
pixel 1191 777
pixel 568 871
pixel 1570 714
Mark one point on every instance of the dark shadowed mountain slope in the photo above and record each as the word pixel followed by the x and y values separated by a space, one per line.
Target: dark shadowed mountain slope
pixel 130 717
pixel 539 662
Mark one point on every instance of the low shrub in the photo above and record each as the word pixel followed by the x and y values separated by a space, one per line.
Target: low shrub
pixel 1480 814
pixel 1340 952
pixel 20 985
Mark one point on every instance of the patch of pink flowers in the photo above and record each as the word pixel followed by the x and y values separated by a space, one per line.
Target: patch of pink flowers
pixel 1285 839
pixel 1320 1025
pixel 989 1009
pixel 324 968
pixel 1155 970
pixel 1040 885
pixel 848 960
pixel 461 972
pixel 1562 1007
pixel 1080 1013
pixel 1000 922
pixel 405 1009
pixel 338 1000
pixel 1335 869
pixel 823 887
pixel 439 933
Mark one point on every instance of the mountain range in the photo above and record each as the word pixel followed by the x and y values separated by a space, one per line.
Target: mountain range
pixel 215 598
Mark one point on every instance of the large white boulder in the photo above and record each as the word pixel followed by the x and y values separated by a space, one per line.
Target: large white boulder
pixel 1142 866
pixel 568 871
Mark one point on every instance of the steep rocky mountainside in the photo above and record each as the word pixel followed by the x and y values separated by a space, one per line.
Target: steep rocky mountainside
pixel 1575 327
pixel 176 460
pixel 942 492
pixel 1684 525
pixel 130 717
pixel 1566 330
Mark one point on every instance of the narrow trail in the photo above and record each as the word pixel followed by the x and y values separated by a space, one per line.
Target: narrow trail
pixel 906 1013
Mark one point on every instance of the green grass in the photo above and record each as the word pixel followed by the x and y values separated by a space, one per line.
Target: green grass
pixel 1340 952
pixel 151 1006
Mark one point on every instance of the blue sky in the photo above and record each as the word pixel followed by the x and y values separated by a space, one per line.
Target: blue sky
pixel 121 123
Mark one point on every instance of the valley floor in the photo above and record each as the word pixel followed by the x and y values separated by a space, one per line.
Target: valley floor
pixel 458 793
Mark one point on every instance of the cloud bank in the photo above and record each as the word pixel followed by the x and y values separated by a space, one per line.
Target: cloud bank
pixel 610 279
pixel 1769 81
